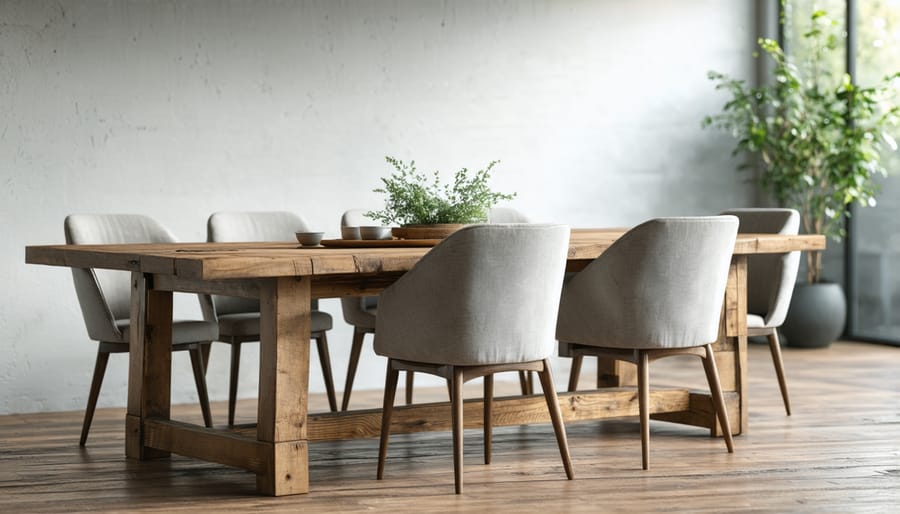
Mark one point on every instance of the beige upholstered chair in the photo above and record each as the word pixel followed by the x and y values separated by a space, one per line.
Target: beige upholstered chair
pixel 238 318
pixel 657 291
pixel 506 215
pixel 498 215
pixel 770 281
pixel 451 316
pixel 105 299
pixel 359 312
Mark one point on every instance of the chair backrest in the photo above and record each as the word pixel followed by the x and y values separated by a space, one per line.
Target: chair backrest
pixel 353 307
pixel 105 295
pixel 454 306
pixel 268 226
pixel 506 215
pixel 770 277
pixel 661 285
pixel 238 227
pixel 357 218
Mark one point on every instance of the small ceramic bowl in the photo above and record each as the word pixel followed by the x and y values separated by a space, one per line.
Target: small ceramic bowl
pixel 349 232
pixel 375 232
pixel 310 238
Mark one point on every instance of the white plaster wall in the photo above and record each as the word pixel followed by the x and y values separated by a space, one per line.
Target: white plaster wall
pixel 177 109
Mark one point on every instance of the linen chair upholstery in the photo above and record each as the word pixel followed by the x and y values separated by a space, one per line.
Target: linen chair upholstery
pixel 511 215
pixel 105 300
pixel 238 318
pixel 656 291
pixel 770 281
pixel 359 312
pixel 450 316
pixel 415 324
pixel 506 215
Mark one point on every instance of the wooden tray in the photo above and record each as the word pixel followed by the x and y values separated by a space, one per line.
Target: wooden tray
pixel 437 231
pixel 378 243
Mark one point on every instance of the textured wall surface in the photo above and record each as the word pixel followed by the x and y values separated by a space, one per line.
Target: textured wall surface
pixel 177 109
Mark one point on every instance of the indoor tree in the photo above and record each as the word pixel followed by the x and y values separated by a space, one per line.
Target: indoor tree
pixel 817 136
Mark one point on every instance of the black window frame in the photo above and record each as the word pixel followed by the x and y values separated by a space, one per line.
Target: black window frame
pixel 851 275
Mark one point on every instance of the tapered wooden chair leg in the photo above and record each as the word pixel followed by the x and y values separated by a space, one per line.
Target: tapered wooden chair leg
pixel 559 428
pixel 200 380
pixel 355 349
pixel 409 387
pixel 233 380
pixel 643 365
pixel 523 383
pixel 775 348
pixel 457 419
pixel 325 361
pixel 575 373
pixel 488 419
pixel 206 350
pixel 715 387
pixel 390 389
pixel 96 382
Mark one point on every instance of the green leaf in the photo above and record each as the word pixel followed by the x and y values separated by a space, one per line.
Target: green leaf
pixel 815 137
pixel 414 199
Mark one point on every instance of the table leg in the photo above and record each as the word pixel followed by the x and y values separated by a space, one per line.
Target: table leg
pixel 731 361
pixel 731 349
pixel 613 373
pixel 150 363
pixel 283 385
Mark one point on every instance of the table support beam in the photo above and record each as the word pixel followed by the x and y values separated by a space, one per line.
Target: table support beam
pixel 284 385
pixel 239 446
pixel 150 364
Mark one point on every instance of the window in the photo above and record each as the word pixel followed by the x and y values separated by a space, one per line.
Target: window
pixel 869 261
pixel 875 299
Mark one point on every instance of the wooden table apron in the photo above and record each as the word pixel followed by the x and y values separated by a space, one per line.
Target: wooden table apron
pixel 284 279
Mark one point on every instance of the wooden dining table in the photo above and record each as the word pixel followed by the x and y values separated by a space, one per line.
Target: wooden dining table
pixel 285 277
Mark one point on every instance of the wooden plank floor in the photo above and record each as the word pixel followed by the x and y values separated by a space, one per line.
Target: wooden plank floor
pixel 839 452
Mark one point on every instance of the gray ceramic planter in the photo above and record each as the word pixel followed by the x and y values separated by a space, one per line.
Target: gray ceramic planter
pixel 816 316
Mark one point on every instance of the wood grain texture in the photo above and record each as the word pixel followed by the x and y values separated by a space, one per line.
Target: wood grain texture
pixel 838 452
pixel 507 410
pixel 210 261
pixel 284 359
pixel 378 243
pixel 284 308
pixel 222 447
pixel 150 362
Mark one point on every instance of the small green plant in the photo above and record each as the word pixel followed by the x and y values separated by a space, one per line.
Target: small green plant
pixel 413 199
pixel 818 138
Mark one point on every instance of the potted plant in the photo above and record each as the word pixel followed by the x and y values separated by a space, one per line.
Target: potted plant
pixel 818 139
pixel 428 208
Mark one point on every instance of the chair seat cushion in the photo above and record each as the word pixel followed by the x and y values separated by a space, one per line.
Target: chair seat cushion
pixel 365 318
pixel 246 324
pixel 755 321
pixel 360 312
pixel 183 331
